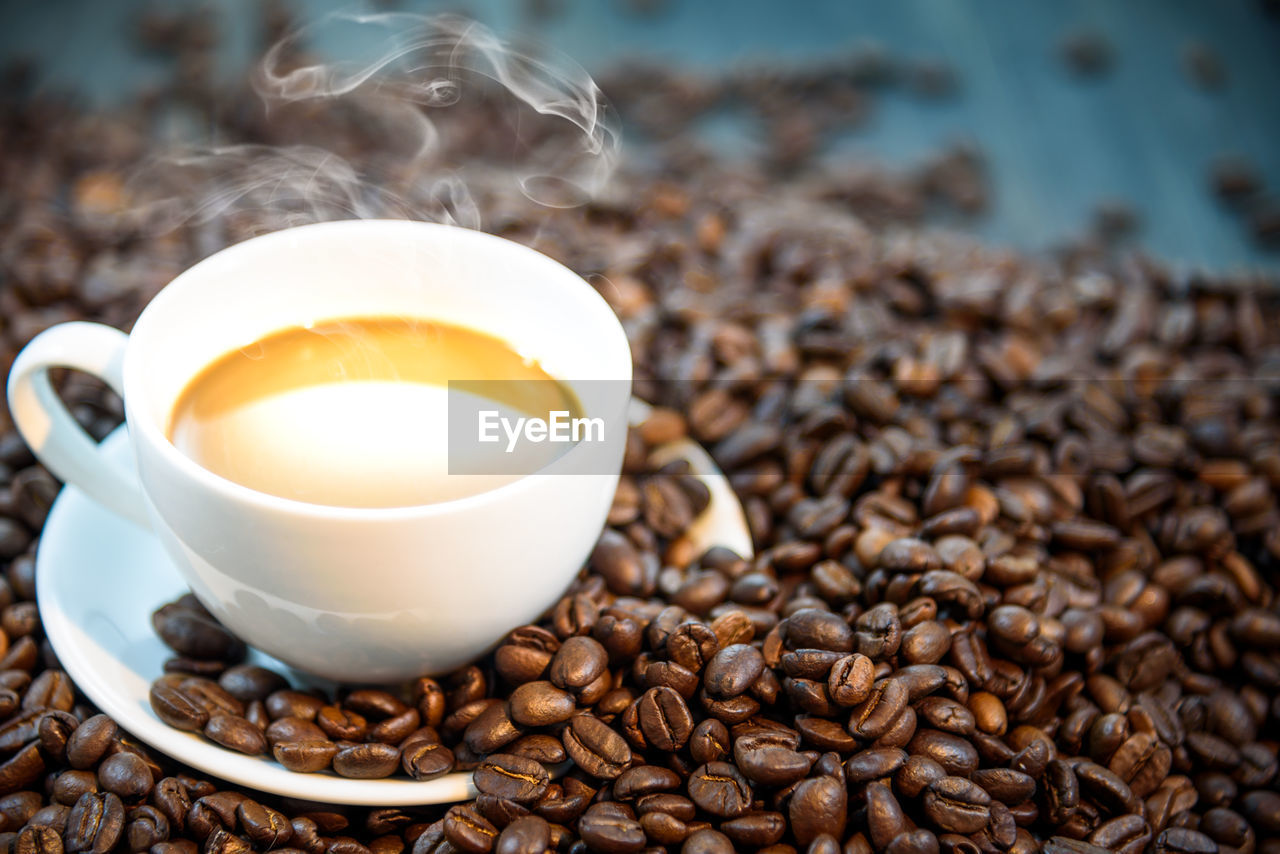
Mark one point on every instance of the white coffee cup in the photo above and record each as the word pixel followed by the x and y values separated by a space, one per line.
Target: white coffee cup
pixel 352 594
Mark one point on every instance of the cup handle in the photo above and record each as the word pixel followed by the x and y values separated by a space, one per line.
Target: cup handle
pixel 46 425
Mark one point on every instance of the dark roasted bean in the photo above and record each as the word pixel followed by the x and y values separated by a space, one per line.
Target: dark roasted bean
pixel 719 789
pixel 664 718
pixel 594 747
pixel 957 805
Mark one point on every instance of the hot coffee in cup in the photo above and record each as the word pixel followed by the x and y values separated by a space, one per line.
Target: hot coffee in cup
pixel 292 452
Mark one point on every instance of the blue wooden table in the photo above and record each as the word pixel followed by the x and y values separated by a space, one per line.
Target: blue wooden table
pixel 1057 144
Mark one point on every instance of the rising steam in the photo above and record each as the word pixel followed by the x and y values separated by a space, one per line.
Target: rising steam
pixel 412 88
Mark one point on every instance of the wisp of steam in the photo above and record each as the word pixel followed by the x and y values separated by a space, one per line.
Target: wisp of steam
pixel 403 81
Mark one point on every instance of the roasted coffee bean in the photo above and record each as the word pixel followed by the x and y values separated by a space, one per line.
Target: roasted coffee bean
pixel 885 819
pixel 52 689
pixel 1005 784
pixel 367 761
pixel 95 823
pixel 664 718
pixel 709 741
pixel 817 807
pixel 38 840
pixel 426 760
pixel 594 747
pixel 873 717
pixel 1104 787
pixel 719 789
pixel 467 830
pixel 236 733
pixel 578 663
pixel 850 680
pixel 540 704
pixel 293 729
pixel 1182 840
pixel 527 835
pixel 609 831
pixel 293 704
pixel 755 829
pixel 305 756
pixel 342 724
pixel 177 709
pixel 512 777
pixel 769 761
pixel 707 841
pixel 733 670
pixel 248 682
pixel 125 775
pixel 916 774
pixel 957 805
pixel 954 753
pixel 193 632
pixel 263 825
pixel 641 780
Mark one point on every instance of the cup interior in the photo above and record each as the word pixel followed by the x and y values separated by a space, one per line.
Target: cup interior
pixel 367 268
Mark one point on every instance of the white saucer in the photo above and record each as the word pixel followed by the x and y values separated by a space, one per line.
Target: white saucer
pixel 98 578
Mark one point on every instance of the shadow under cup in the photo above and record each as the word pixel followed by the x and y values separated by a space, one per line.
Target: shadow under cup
pixel 378 594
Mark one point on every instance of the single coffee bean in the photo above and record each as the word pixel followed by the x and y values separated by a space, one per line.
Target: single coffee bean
pixel 95 824
pixel 512 777
pixel 709 741
pixel 306 755
pixel 719 789
pixel 540 704
pixel 526 835
pixel 733 670
pixel 874 716
pixel 595 747
pixel 263 825
pixel 613 832
pixel 665 718
pixel 874 764
pixel 578 663
pixel 236 733
pixel 770 761
pixel 293 729
pixel 125 775
pixel 467 830
pixel 955 754
pixel 817 807
pixel 885 819
pixel 342 724
pixel 426 760
pixel 372 760
pixel 1006 785
pixel 293 704
pixel 755 829
pixel 850 680
pixel 248 682
pixel 692 645
pixel 195 634
pixel 641 780
pixel 916 774
pixel 707 841
pixel 957 805
pixel 1183 840
pixel 810 628
pixel 38 840
pixel 1108 790
pixel 176 708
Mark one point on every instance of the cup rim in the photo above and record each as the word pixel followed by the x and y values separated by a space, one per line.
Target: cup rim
pixel 145 429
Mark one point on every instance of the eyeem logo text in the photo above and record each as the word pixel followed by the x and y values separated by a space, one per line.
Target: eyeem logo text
pixel 559 428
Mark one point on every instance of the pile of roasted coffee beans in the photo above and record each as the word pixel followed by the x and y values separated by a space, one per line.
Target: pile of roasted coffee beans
pixel 1016 526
